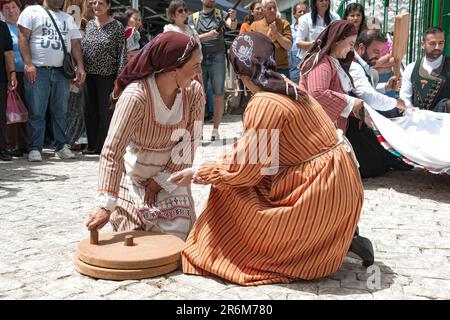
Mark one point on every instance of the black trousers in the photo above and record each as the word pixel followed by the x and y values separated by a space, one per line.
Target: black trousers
pixel 97 111
pixel 373 158
pixel 3 91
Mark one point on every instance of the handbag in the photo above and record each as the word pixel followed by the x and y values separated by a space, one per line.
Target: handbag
pixel 68 68
pixel 16 112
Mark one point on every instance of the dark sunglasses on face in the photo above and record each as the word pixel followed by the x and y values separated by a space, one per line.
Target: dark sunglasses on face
pixel 181 10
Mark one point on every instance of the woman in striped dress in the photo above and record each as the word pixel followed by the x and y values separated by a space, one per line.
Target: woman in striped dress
pixel 285 202
pixel 156 122
pixel 325 72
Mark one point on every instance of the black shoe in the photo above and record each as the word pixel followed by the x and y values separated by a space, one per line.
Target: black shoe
pixel 89 152
pixel 363 248
pixel 5 156
pixel 17 153
pixel 208 117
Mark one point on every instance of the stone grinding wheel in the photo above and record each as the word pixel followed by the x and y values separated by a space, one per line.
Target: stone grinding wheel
pixel 128 255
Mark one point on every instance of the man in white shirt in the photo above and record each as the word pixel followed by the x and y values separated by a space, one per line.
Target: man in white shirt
pixel 298 10
pixel 373 159
pixel 368 49
pixel 426 82
pixel 44 81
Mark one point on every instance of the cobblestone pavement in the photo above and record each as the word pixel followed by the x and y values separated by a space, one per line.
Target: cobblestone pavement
pixel 43 207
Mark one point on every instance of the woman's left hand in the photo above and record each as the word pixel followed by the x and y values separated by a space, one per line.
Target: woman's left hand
pixel 182 178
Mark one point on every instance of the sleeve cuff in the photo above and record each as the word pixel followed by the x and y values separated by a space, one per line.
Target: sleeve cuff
pixel 107 201
pixel 348 109
pixel 381 87
pixel 161 179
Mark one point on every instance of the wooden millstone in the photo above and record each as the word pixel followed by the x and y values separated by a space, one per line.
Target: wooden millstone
pixel 120 274
pixel 128 255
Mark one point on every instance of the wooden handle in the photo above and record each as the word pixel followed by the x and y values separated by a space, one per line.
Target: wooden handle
pixel 128 241
pixel 94 237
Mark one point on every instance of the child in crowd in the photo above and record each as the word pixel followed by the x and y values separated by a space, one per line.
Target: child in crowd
pixel 132 31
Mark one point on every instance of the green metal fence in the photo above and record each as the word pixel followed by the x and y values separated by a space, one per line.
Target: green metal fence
pixel 423 14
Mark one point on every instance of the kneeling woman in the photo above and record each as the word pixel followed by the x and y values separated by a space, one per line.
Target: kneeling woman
pixel 159 98
pixel 266 223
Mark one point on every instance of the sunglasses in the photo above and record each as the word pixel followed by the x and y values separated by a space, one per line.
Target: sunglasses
pixel 181 10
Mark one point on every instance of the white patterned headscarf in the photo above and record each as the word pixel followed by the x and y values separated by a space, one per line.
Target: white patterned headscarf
pixel 252 55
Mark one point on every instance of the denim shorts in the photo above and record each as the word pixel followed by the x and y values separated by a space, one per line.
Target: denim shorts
pixel 213 69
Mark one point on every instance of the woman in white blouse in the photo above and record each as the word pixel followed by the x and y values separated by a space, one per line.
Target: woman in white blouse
pixel 311 24
pixel 177 13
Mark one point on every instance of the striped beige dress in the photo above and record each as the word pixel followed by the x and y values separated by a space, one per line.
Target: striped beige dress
pixel 138 147
pixel 295 224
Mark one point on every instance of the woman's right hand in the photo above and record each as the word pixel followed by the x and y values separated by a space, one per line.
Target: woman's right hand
pixel 98 218
pixel 198 180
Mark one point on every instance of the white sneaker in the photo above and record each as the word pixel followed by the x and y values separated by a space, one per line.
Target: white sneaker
pixel 215 136
pixel 34 156
pixel 65 153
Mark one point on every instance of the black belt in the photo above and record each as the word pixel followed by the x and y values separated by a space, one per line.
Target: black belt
pixel 46 67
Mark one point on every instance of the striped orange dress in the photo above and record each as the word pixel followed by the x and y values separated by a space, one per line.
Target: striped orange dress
pixel 295 224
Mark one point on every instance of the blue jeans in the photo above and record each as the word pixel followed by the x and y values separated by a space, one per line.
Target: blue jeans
pixel 213 69
pixel 294 72
pixel 210 99
pixel 50 89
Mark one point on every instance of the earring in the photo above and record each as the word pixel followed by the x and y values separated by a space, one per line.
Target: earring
pixel 178 86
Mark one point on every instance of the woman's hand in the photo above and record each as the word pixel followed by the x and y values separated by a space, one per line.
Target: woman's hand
pixel 98 218
pixel 182 178
pixel 151 191
pixel 197 179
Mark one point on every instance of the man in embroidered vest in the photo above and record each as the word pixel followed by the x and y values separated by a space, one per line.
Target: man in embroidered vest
pixel 426 82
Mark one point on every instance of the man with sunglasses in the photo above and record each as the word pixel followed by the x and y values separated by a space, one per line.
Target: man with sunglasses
pixel 207 23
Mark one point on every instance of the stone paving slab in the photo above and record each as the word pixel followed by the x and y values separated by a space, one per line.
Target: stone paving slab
pixel 43 207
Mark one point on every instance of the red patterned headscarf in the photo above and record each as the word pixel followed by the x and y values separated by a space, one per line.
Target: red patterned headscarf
pixel 166 52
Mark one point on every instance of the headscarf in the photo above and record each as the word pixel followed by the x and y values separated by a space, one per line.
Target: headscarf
pixel 336 31
pixel 252 55
pixel 166 52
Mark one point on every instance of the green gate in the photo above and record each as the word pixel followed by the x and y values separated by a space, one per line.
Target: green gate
pixel 423 14
pixel 446 25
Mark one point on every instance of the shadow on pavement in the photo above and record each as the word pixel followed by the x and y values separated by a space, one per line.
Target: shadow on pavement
pixel 21 170
pixel 421 184
pixel 351 279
